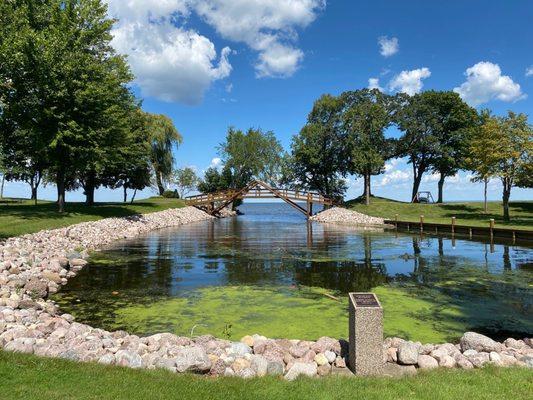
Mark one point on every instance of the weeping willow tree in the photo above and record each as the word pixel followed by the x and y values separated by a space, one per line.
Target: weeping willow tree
pixel 163 137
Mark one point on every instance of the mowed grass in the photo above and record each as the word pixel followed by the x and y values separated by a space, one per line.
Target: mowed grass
pixel 21 217
pixel 29 377
pixel 468 213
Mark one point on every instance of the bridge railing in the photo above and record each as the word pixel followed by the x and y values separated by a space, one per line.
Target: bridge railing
pixel 296 195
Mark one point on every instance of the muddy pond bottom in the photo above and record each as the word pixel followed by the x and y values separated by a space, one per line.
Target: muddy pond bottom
pixel 273 273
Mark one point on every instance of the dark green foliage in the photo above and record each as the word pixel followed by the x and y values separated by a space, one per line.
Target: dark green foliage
pixel 318 159
pixel 171 194
pixel 436 126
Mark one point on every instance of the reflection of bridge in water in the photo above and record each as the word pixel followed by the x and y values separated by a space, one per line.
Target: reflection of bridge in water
pixel 213 203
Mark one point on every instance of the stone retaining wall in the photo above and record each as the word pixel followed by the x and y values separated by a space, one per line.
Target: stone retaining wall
pixel 33 266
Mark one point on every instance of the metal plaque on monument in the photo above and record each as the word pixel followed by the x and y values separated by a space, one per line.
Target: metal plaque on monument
pixel 366 334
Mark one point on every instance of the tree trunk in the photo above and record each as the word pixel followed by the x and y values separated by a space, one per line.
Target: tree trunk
pixel 2 186
pixel 34 193
pixel 125 188
pixel 367 189
pixel 133 197
pixel 159 182
pixel 418 172
pixel 485 206
pixel 505 198
pixel 441 187
pixel 60 183
pixel 89 188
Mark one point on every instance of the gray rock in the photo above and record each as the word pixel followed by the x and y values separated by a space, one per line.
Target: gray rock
pixel 408 353
pixel 470 353
pixel 301 369
pixel 275 368
pixel 527 360
pixel 476 341
pixel 240 349
pixel 479 359
pixel 447 362
pixel 127 358
pixel 515 344
pixel 107 359
pixel 192 358
pixel 259 364
pixel 427 362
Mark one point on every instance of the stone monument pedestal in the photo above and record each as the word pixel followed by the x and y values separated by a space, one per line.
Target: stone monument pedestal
pixel 366 334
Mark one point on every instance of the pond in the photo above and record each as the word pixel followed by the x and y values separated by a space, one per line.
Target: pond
pixel 273 273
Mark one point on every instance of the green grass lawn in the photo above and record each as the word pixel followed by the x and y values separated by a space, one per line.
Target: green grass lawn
pixel 21 217
pixel 468 213
pixel 29 377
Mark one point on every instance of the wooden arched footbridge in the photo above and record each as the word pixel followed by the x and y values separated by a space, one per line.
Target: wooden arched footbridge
pixel 213 203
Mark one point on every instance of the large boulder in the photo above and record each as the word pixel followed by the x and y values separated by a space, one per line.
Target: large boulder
pixel 193 359
pixel 36 288
pixel 301 369
pixel 408 353
pixel 478 342
pixel 427 362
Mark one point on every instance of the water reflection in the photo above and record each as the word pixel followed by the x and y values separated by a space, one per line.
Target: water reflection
pixel 279 248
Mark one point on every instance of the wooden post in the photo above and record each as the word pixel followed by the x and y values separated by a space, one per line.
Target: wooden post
pixel 491 226
pixel 396 220
pixel 421 223
pixel 453 225
pixel 309 205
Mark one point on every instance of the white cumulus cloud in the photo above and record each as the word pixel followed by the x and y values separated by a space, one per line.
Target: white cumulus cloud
pixel 266 26
pixel 485 82
pixel 388 46
pixel 170 63
pixel 529 71
pixel 410 82
pixel 373 83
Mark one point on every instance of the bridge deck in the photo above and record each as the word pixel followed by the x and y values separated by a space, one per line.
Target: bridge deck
pixel 214 202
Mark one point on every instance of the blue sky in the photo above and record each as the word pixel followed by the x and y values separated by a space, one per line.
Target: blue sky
pixel 210 64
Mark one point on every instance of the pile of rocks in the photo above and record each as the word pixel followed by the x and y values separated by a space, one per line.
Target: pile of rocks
pixel 473 351
pixel 345 216
pixel 45 332
pixel 34 265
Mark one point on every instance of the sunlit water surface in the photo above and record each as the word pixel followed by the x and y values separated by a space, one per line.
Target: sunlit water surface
pixel 269 271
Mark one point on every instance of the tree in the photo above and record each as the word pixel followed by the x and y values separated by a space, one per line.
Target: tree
pixel 435 126
pixel 163 137
pixel 186 180
pixel 215 180
pixel 318 160
pixel 454 120
pixel 366 116
pixel 64 87
pixel 478 159
pixel 512 152
pixel 250 155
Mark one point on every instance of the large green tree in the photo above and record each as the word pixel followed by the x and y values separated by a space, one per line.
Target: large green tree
pixel 185 180
pixel 318 157
pixel 164 137
pixel 64 89
pixel 480 161
pixel 512 154
pixel 250 155
pixel 435 126
pixel 365 117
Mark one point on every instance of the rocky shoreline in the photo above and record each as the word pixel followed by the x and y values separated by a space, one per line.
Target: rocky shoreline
pixel 36 265
pixel 341 215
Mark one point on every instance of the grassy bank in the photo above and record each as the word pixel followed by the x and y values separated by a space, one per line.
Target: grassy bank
pixel 468 213
pixel 21 217
pixel 28 377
